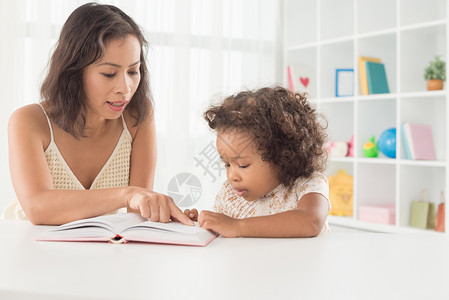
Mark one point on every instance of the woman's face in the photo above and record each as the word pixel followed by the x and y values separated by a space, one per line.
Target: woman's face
pixel 111 81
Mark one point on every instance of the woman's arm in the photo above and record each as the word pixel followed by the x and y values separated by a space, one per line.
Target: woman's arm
pixel 305 221
pixel 143 155
pixel 32 181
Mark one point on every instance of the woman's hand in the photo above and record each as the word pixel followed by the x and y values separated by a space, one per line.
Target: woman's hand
pixel 192 214
pixel 157 207
pixel 220 223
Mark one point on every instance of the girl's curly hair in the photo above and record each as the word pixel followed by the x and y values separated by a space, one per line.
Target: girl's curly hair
pixel 286 129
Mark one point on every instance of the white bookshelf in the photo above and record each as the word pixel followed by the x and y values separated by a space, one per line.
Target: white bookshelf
pixel 321 36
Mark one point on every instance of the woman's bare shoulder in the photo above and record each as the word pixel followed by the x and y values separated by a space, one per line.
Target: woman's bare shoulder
pixel 130 122
pixel 30 119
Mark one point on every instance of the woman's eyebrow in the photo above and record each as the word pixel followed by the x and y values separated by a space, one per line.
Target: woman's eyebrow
pixel 116 65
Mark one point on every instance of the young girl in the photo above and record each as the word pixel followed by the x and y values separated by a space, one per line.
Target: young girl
pixel 89 147
pixel 271 142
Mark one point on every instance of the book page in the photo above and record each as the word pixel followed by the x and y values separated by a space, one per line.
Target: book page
pixel 113 223
pixel 169 233
pixel 171 227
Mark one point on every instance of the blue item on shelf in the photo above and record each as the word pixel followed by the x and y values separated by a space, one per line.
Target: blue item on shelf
pixel 377 78
pixel 387 142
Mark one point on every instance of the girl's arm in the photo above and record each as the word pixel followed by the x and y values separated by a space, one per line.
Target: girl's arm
pixel 44 205
pixel 305 221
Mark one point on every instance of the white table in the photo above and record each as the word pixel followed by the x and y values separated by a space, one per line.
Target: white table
pixel 342 265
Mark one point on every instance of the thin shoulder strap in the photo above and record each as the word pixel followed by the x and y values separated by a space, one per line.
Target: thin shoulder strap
pixel 125 128
pixel 48 120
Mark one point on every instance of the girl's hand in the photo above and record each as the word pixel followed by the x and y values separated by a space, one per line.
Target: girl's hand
pixel 192 214
pixel 157 207
pixel 220 223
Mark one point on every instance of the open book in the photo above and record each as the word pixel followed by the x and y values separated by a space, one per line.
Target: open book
pixel 121 228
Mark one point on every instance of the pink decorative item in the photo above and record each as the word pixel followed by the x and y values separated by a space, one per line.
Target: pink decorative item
pixel 351 147
pixel 382 214
pixel 291 85
pixel 304 81
pixel 336 148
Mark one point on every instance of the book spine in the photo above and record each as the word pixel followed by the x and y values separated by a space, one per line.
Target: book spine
pixel 362 76
pixel 408 136
pixel 406 144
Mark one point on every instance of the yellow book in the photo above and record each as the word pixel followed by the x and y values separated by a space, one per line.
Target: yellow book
pixel 362 73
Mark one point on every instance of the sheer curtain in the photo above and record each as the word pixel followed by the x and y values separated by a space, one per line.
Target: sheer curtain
pixel 200 51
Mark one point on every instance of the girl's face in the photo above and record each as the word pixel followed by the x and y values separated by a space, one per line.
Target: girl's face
pixel 111 81
pixel 249 175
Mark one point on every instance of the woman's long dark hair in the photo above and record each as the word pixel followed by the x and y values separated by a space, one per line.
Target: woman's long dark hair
pixel 82 41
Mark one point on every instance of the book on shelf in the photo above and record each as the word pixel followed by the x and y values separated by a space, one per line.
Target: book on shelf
pixel 418 141
pixel 408 154
pixel 127 227
pixel 362 73
pixel 376 78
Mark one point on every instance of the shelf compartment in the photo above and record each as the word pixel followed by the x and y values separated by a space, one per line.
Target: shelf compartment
pixel 337 18
pixel 383 47
pixel 376 185
pixel 302 16
pixel 373 118
pixel 415 58
pixel 419 11
pixel 303 64
pixel 333 57
pixel 368 13
pixel 340 120
pixel 429 110
pixel 412 180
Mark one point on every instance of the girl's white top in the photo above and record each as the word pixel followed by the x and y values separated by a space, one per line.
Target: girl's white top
pixel 280 199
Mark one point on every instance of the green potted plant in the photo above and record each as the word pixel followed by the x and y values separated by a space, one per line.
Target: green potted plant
pixel 435 74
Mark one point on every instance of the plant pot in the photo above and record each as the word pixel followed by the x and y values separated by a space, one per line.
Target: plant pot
pixel 434 84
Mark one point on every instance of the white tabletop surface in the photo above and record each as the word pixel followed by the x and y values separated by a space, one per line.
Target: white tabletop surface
pixel 341 265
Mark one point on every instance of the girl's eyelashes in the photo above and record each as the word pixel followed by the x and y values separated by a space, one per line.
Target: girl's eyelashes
pixel 227 165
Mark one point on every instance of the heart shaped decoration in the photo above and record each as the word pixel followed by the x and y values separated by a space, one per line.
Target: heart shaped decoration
pixel 304 81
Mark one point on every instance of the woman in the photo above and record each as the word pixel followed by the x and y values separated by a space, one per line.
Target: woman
pixel 89 148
